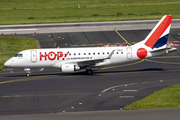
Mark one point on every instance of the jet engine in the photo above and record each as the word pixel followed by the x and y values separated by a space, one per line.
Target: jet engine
pixel 69 68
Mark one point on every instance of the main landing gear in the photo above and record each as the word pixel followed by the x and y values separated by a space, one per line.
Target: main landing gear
pixel 89 71
pixel 28 71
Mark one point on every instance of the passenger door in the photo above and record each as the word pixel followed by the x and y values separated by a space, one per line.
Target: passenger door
pixel 129 52
pixel 33 55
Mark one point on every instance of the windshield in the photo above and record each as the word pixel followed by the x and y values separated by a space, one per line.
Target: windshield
pixel 18 55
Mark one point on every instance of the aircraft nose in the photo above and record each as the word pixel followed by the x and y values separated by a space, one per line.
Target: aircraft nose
pixel 7 63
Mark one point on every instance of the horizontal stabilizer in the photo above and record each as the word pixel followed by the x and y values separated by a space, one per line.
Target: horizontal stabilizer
pixel 168 49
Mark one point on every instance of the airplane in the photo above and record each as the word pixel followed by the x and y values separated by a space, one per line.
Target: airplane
pixel 69 60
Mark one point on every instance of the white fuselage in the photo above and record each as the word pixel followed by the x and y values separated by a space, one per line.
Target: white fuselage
pixel 55 57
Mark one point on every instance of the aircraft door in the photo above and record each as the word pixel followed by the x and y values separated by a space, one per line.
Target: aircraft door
pixel 129 52
pixel 33 56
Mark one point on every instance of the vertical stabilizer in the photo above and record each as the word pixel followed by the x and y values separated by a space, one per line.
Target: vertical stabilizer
pixel 159 35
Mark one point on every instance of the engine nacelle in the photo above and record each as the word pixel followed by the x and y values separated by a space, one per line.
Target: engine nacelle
pixel 69 68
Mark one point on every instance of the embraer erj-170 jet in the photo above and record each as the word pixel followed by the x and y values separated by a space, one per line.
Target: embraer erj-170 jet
pixel 69 60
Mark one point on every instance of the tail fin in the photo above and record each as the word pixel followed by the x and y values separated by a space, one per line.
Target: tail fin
pixel 159 35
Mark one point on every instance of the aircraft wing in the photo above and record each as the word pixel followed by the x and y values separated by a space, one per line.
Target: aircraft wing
pixel 85 63
pixel 93 62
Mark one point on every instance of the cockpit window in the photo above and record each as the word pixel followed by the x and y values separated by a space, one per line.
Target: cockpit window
pixel 18 55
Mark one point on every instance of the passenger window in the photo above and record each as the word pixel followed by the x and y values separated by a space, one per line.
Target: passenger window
pixel 93 53
pixel 117 53
pixel 74 53
pixel 121 52
pixel 79 54
pixel 98 53
pixel 103 53
pixel 84 53
pixel 89 53
pixel 69 54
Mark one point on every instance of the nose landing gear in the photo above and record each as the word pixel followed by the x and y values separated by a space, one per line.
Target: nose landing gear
pixel 28 71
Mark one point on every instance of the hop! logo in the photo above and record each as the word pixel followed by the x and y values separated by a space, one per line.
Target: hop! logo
pixel 52 55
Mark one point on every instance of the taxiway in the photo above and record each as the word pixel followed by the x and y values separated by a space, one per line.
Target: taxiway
pixel 111 88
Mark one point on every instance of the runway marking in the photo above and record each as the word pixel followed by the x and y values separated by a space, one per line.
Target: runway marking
pixel 117 86
pixel 167 57
pixel 32 78
pixel 5 96
pixel 25 79
pixel 12 81
pixel 162 62
pixel 121 72
pixel 2 26
pixel 17 96
pixel 126 96
pixel 122 37
pixel 6 30
pixel 43 95
pixel 130 90
pixel 158 81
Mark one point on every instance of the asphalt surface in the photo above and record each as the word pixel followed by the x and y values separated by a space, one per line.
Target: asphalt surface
pixel 157 114
pixel 111 88
pixel 82 27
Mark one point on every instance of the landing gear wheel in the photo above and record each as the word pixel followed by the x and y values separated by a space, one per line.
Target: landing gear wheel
pixel 89 72
pixel 28 74
pixel 28 71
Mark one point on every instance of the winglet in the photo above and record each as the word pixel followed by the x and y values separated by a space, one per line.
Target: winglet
pixel 110 55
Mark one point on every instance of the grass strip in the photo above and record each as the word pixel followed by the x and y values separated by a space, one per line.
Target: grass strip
pixel 10 46
pixel 55 11
pixel 166 98
pixel 49 4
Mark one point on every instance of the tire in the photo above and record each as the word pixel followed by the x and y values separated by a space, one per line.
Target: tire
pixel 89 72
pixel 27 74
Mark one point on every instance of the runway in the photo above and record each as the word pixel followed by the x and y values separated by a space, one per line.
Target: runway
pixel 111 88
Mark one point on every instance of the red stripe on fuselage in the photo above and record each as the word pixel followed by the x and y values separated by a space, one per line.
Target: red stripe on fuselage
pixel 159 31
